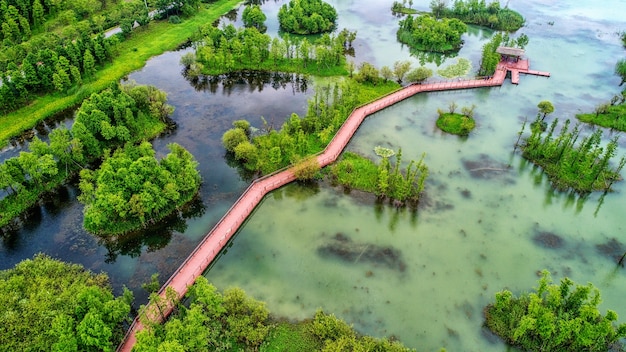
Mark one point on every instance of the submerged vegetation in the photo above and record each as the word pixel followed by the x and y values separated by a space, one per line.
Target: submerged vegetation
pixel 48 305
pixel 117 115
pixel 385 179
pixel 234 321
pixel 583 167
pixel 561 317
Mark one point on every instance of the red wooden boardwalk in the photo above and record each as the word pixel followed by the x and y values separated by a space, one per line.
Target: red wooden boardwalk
pixel 212 244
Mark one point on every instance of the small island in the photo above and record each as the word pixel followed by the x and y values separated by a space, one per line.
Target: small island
pixel 307 17
pixel 452 122
pixel 132 190
pixel 429 34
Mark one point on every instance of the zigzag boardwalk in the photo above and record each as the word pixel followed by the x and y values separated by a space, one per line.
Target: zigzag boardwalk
pixel 212 244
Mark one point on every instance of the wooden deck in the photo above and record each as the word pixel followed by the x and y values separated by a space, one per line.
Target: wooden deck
pixel 213 243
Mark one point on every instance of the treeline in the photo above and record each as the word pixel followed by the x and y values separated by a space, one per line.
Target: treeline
pixel 490 58
pixel 299 136
pixel 233 321
pixel 106 120
pixel 583 166
pixel 426 33
pixel 56 69
pixel 230 49
pixel 307 17
pixel 49 305
pixel 131 189
pixel 480 13
pixel 386 179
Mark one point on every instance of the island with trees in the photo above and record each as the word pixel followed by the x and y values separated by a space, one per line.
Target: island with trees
pixel 117 115
pixel 456 123
pixel 426 33
pixel 307 17
pixel 481 13
pixel 563 317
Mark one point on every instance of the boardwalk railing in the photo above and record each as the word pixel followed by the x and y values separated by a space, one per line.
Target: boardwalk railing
pixel 213 243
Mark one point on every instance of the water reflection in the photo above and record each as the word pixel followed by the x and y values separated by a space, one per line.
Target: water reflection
pixel 255 81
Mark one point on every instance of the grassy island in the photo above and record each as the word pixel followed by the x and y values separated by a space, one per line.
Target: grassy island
pixel 562 317
pixel 583 166
pixel 609 115
pixel 384 179
pixel 479 13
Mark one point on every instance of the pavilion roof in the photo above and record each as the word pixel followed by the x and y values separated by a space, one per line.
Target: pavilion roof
pixel 509 51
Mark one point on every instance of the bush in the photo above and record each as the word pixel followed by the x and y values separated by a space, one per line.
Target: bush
pixel 458 124
pixel 174 20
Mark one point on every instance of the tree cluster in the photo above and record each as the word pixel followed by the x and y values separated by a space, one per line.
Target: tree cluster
pixel 231 321
pixel 401 71
pixel 583 166
pixel 55 69
pixel 253 16
pixel 131 189
pixel 386 180
pixel 426 33
pixel 562 317
pixel 230 49
pixel 490 59
pixel 480 13
pixel 48 305
pixel 212 322
pixel 167 8
pixel 104 121
pixel 307 17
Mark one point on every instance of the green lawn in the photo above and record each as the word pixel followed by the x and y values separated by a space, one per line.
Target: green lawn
pixel 133 53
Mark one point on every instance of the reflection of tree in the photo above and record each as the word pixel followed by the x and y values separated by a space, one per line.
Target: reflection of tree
pixel 302 190
pixel 425 57
pixel 232 14
pixel 154 237
pixel 256 80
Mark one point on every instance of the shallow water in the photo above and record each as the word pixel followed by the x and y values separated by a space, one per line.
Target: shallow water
pixel 421 276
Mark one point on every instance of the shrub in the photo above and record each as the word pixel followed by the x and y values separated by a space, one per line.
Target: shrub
pixel 174 20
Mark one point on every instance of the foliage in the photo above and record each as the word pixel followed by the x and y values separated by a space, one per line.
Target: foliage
pixel 230 49
pixel 609 115
pixel 429 34
pixel 459 69
pixel 306 169
pixel 584 167
pixel 307 17
pixel 48 305
pixel 130 54
pixel 620 70
pixel 490 58
pixel 385 179
pixel 253 16
pixel 303 136
pixel 212 322
pixel 131 189
pixel 555 317
pixel 419 74
pixel 105 120
pixel 399 8
pixel 234 322
pixel 479 12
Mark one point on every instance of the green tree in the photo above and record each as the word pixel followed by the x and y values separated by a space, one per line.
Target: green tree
pixel 545 108
pixel 89 64
pixel 620 70
pixel 400 69
pixel 253 16
pixel 419 74
pixel 85 316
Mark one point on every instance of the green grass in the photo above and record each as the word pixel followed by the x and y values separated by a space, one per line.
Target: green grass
pixel 456 124
pixel 356 172
pixel 615 117
pixel 291 337
pixel 134 52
